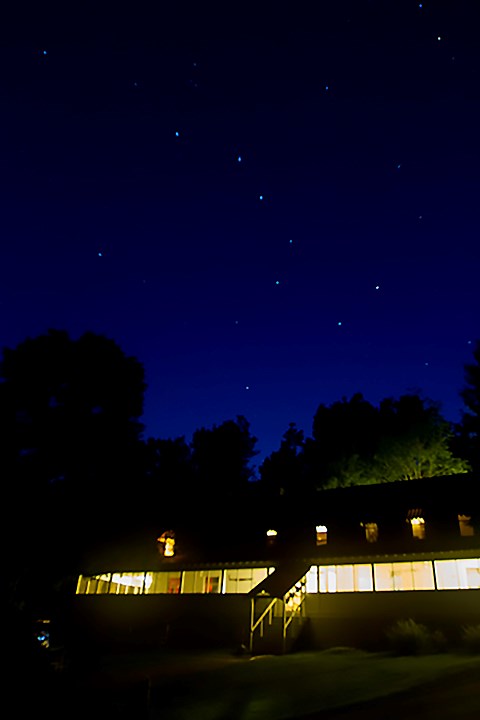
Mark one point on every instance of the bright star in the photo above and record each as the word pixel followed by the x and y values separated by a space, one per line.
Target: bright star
pixel 339 323
pixel 177 134
pixel 239 158
pixel 260 197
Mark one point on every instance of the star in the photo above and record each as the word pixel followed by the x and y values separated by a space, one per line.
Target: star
pixel 277 282
pixel 339 323
pixel 239 158
pixel 377 287
pixel 177 134
pixel 100 254
pixel 260 197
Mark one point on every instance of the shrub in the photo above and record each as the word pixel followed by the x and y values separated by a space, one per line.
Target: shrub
pixel 471 638
pixel 407 637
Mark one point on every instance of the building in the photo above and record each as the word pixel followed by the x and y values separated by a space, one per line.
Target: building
pixel 338 572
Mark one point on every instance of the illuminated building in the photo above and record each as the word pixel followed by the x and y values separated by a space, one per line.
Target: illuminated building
pixel 361 559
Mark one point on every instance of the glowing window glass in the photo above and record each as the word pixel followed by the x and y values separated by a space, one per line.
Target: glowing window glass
pixel 404 576
pixel 465 525
pixel 363 578
pixel 157 583
pixel 458 574
pixel 321 534
pixel 343 578
pixel 312 580
pixel 202 581
pixel 418 527
pixel 242 580
pixel 371 532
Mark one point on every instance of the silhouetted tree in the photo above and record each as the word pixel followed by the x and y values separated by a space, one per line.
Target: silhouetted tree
pixel 415 442
pixel 355 443
pixel 170 480
pixel 281 472
pixel 70 452
pixel 470 425
pixel 221 460
pixel 71 408
pixel 345 438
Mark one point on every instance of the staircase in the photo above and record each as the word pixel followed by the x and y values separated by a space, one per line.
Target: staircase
pixel 277 611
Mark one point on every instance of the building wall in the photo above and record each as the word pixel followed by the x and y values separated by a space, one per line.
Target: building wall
pixel 124 622
pixel 362 619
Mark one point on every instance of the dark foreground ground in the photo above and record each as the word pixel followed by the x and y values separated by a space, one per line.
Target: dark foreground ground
pixel 439 700
pixel 347 685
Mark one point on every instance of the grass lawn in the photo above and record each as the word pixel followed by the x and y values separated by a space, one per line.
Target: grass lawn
pixel 276 687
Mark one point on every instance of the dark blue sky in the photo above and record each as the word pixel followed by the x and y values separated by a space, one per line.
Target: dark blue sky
pixel 356 122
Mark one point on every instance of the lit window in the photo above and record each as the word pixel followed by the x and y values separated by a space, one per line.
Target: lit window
pixel 242 580
pixel 202 581
pixel 404 576
pixel 271 537
pixel 371 531
pixel 342 578
pixel 127 583
pixel 458 574
pixel 162 582
pixel 417 523
pixel 465 524
pixel 321 534
pixel 166 543
pixel 312 580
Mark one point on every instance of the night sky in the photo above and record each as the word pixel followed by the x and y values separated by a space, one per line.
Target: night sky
pixel 270 208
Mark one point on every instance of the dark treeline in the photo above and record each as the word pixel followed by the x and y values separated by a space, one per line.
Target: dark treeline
pixel 77 471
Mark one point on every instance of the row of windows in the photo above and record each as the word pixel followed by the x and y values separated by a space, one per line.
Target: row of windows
pixel 365 577
pixel 236 580
pixel 415 521
pixel 166 541
pixel 387 577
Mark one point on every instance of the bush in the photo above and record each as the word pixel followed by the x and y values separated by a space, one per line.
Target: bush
pixel 471 638
pixel 407 637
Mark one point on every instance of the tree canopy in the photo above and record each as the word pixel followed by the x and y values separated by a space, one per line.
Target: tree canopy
pixel 70 410
pixel 356 443
pixel 470 425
